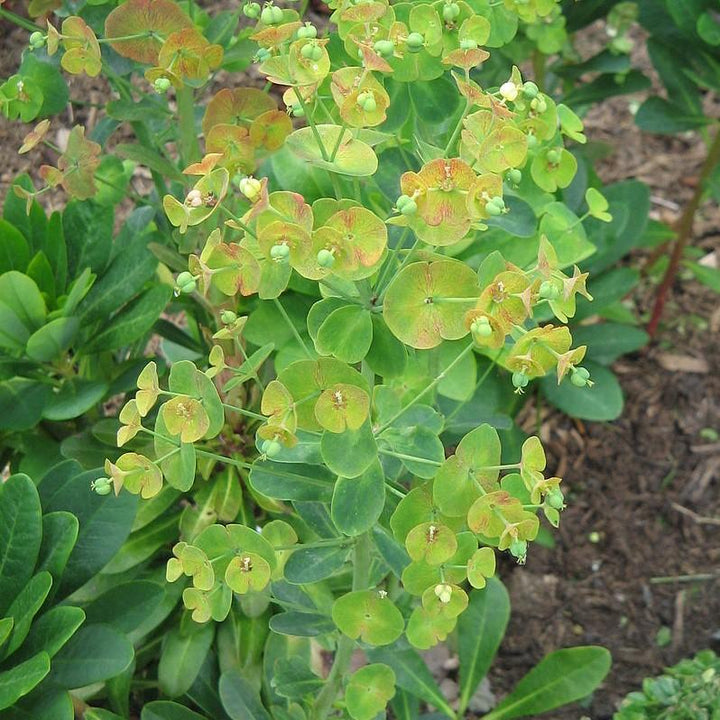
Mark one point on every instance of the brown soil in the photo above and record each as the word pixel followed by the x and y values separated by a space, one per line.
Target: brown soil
pixel 647 484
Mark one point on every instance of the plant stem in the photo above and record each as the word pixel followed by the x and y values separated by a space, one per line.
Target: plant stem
pixel 684 230
pixel 187 140
pixel 292 327
pixel 19 21
pixel 456 131
pixel 343 654
pixel 539 62
pixel 441 376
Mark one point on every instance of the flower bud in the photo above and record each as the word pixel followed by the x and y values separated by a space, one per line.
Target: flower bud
pixel 228 317
pixel 162 85
pixel 415 42
pixel 262 55
pixel 251 188
pixel 509 91
pixel 101 486
pixel 514 176
pixel 325 258
pixel 538 104
pixel 185 282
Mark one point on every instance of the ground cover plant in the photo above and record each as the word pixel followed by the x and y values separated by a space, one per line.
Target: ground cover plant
pixel 323 454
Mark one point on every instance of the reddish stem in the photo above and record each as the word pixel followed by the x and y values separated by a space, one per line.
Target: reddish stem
pixel 684 230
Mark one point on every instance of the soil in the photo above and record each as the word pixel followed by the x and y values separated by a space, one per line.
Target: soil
pixel 645 487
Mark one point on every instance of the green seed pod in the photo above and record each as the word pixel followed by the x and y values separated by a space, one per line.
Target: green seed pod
pixel 185 283
pixel 307 32
pixel 520 380
pixel 36 40
pixel 162 85
pixel 514 176
pixel 384 47
pixel 409 208
pixel 450 12
pixel 468 44
pixel 271 448
pixel 267 15
pixel 549 290
pixel 101 486
pixel 325 258
pixel 580 377
pixel 555 499
pixel 370 104
pixel 539 105
pixel 532 141
pixel 307 50
pixel 297 110
pixel 518 549
pixel 530 90
pixel 415 42
pixel 278 15
pixel 262 55
pixel 553 157
pixel 481 327
pixel 251 10
pixel 402 201
pixel 228 317
pixel 492 209
pixel 280 252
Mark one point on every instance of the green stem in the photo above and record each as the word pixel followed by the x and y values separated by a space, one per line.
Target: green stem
pixel 539 62
pixel 19 21
pixel 187 140
pixel 313 127
pixel 441 376
pixel 242 411
pixel 223 459
pixel 456 131
pixel 412 458
pixel 343 654
pixel 292 327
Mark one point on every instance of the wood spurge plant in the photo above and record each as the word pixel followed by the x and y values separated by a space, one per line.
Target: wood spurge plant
pixel 358 252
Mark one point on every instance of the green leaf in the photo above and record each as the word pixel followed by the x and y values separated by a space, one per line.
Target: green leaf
pixel 114 608
pixel 182 657
pixel 14 249
pixel 358 502
pixel 88 229
pixel 566 234
pixel 21 295
pixel 239 698
pixel 354 157
pixel 94 653
pixel 657 115
pixel 349 453
pixel 60 532
pixel 603 401
pixel 143 544
pixel 21 679
pixel 368 691
pixel 560 678
pixel 294 679
pixel 150 159
pixel 311 564
pixel 387 356
pixel 346 334
pixel 133 321
pixel 20 536
pixel 21 403
pixel 301 624
pixel 294 482
pixel 41 272
pixel 53 339
pixel 46 702
pixel 51 631
pixel 166 710
pixel 606 342
pixel 105 522
pixel 412 674
pixel 480 631
pixel 48 78
pixel 132 267
pixel 24 607
pixel 368 615
pixel 75 397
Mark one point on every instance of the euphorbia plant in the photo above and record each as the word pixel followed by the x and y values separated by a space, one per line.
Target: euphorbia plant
pixel 337 274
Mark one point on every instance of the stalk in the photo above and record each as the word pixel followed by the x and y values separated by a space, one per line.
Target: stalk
pixel 343 654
